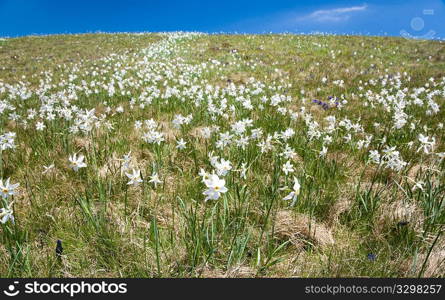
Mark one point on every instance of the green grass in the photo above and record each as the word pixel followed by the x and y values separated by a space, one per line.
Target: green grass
pixel 348 207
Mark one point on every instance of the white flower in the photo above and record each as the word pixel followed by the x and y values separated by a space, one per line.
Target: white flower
pixel 215 187
pixel 77 162
pixel 266 145
pixel 138 124
pixel 135 177
pixel 180 119
pixel 153 137
pixel 419 185
pixel 288 152
pixel 40 126
pixel 288 168
pixel 426 144
pixel 374 156
pixel 392 159
pixel 293 195
pixel 6 214
pixel 205 176
pixel 181 144
pixel 213 159
pixel 7 189
pixel 206 132
pixel 323 152
pixel 126 159
pixel 243 171
pixel 222 167
pixel 225 139
pixel 155 179
pixel 7 141
pixel 287 134
pixel 389 151
pixel 242 142
pixel 47 169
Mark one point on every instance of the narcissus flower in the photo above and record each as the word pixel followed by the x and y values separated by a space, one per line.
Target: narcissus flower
pixel 40 126
pixel 323 152
pixel 7 141
pixel 155 179
pixel 425 144
pixel 222 167
pixel 7 189
pixel 205 176
pixel 77 162
pixel 215 187
pixel 293 195
pixel 288 168
pixel 243 170
pixel 6 214
pixel 47 169
pixel 126 160
pixel 135 177
pixel 181 144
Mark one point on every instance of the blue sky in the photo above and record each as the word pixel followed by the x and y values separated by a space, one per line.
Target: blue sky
pixel 378 17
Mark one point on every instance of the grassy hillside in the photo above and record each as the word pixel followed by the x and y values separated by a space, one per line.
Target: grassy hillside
pixel 190 155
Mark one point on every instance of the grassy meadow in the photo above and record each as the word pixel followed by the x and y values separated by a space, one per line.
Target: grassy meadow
pixel 194 155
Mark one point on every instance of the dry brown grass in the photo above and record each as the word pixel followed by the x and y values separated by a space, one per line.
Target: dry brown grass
pixel 434 267
pixel 300 229
pixel 343 205
pixel 400 211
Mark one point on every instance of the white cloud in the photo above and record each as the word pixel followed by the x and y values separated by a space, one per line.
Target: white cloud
pixel 333 15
